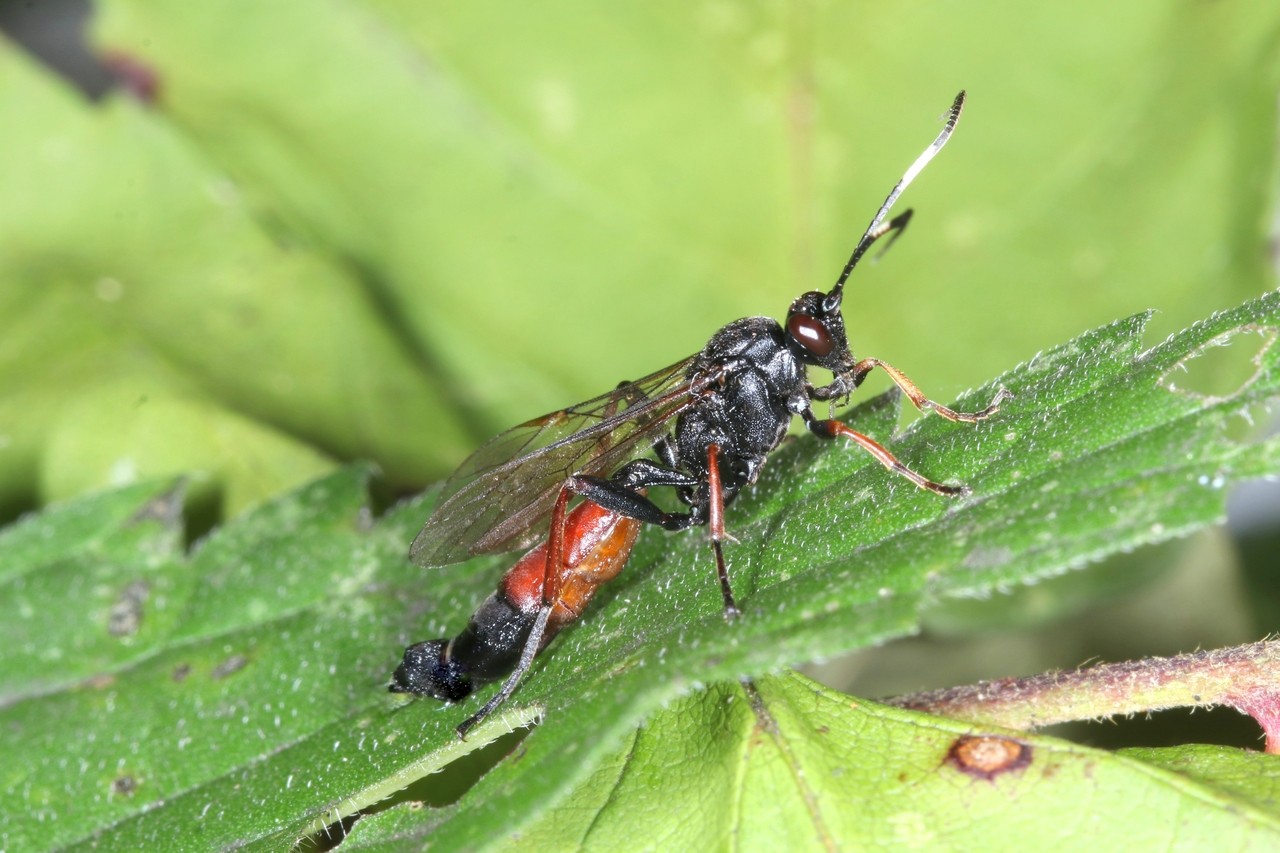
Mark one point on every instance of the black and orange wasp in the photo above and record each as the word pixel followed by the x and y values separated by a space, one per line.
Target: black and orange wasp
pixel 709 421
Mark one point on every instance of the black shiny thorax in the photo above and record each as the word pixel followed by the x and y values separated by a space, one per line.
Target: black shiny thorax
pixel 757 385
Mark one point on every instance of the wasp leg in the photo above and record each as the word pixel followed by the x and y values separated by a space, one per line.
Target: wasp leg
pixel 918 399
pixel 513 680
pixel 715 525
pixel 620 494
pixel 834 429
pixel 666 451
pixel 553 573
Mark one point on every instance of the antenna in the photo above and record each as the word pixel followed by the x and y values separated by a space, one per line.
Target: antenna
pixel 874 231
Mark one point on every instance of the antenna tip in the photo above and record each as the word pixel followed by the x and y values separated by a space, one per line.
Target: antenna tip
pixel 953 114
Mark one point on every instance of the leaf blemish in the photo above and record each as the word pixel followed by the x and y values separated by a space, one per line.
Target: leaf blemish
pixel 124 785
pixel 230 666
pixel 987 558
pixel 125 617
pixel 1217 371
pixel 987 756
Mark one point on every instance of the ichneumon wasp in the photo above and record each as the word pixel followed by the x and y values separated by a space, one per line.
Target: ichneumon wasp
pixel 710 421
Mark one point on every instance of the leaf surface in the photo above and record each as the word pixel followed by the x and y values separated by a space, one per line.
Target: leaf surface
pixel 248 704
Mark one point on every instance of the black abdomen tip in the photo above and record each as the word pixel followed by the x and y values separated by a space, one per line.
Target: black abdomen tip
pixel 427 671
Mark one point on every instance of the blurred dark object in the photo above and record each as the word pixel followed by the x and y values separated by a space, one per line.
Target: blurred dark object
pixel 1252 512
pixel 55 32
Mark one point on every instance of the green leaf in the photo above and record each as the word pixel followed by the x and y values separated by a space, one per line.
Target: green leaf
pixel 659 164
pixel 247 703
pixel 184 336
pixel 790 765
pixel 1250 778
pixel 347 229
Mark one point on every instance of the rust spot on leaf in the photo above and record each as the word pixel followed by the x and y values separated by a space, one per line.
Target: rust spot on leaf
pixel 987 756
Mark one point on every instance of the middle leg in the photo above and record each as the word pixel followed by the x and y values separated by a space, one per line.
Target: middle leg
pixel 833 428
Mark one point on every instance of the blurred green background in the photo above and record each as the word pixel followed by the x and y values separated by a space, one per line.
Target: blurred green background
pixel 285 235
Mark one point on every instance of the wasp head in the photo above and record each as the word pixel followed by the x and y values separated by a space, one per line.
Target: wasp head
pixel 815 332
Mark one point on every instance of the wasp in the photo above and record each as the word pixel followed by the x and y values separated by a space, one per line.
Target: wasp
pixel 704 427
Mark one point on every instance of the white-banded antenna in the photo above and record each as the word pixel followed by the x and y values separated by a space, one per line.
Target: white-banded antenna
pixel 872 232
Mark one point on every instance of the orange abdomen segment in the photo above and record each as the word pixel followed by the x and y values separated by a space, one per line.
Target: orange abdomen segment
pixel 598 543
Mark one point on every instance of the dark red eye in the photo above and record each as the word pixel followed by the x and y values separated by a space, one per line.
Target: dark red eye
pixel 810 335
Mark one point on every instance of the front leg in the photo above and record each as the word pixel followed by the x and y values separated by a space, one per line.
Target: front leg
pixel 917 397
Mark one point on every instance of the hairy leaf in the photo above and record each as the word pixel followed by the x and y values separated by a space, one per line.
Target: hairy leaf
pixel 237 694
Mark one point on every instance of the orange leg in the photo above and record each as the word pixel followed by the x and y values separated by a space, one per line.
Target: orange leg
pixel 833 428
pixel 715 524
pixel 917 397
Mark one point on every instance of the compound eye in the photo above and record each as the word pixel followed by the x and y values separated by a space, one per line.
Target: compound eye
pixel 810 334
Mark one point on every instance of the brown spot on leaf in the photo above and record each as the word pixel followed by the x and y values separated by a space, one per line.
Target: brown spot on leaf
pixel 180 672
pixel 124 785
pixel 987 756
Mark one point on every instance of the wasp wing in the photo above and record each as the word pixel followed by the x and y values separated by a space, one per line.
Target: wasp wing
pixel 500 498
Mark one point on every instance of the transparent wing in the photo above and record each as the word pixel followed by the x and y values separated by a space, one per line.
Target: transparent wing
pixel 500 498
